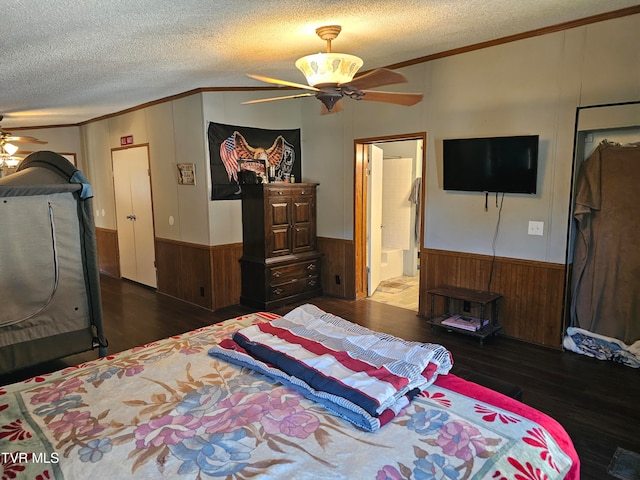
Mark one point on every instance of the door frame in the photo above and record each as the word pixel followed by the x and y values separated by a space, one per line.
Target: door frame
pixel 360 193
pixel 374 235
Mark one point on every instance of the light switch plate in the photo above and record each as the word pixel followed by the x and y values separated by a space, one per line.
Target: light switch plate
pixel 536 228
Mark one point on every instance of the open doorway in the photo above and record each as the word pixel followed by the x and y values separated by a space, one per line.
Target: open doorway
pixel 388 228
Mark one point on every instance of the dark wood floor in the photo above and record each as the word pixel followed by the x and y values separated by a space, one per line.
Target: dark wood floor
pixel 596 401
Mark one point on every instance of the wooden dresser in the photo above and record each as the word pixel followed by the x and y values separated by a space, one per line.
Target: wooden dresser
pixel 280 263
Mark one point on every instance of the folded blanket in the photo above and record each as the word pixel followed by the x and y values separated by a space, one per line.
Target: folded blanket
pixel 364 376
pixel 602 347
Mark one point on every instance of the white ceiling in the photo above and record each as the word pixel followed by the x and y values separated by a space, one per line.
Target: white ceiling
pixel 68 61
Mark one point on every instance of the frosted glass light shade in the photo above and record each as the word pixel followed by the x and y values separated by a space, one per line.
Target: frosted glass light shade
pixel 10 148
pixel 323 68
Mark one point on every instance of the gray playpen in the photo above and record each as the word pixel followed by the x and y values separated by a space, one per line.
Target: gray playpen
pixel 50 304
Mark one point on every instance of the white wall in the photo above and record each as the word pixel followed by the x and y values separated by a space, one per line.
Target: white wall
pixel 173 131
pixel 61 139
pixel 97 168
pixel 512 89
pixel 328 152
pixel 225 216
pixel 532 86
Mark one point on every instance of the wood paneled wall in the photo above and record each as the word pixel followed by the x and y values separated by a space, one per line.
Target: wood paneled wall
pixel 209 276
pixel 338 264
pixel 225 274
pixel 199 274
pixel 532 305
pixel 184 271
pixel 107 246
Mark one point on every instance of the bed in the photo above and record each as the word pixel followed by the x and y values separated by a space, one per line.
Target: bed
pixel 170 409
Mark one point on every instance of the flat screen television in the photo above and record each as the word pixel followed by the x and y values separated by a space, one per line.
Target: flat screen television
pixel 494 164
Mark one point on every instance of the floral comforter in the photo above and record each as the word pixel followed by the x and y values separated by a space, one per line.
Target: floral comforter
pixel 169 410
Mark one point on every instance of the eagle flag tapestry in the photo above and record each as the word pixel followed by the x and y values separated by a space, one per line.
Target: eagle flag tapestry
pixel 234 149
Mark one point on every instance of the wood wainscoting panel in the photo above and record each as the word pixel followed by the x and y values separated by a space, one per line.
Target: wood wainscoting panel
pixel 533 291
pixel 338 265
pixel 107 246
pixel 168 258
pixel 184 271
pixel 225 274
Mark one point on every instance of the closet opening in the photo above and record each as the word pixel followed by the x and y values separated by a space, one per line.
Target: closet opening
pixel 601 284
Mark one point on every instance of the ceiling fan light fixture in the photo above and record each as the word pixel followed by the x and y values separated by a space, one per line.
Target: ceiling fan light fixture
pixel 12 162
pixel 329 68
pixel 9 148
pixel 330 76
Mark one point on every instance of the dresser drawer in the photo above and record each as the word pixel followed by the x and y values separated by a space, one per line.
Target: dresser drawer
pixel 291 191
pixel 293 287
pixel 294 271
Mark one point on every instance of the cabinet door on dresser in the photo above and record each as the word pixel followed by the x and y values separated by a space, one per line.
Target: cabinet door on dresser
pixel 279 214
pixel 291 214
pixel 303 234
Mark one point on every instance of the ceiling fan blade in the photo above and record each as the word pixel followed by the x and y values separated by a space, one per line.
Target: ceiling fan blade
pixel 398 98
pixel 337 107
pixel 376 78
pixel 275 81
pixel 299 95
pixel 24 140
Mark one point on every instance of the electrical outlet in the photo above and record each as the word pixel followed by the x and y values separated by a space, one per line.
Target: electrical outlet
pixel 536 228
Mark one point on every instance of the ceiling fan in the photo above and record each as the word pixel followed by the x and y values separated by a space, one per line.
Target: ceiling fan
pixel 7 140
pixel 330 76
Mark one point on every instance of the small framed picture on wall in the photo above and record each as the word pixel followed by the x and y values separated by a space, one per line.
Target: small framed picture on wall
pixel 186 174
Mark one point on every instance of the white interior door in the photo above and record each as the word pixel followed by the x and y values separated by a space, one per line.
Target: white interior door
pixel 396 212
pixel 374 219
pixel 134 215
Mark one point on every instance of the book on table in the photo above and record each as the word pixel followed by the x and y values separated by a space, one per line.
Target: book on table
pixel 464 322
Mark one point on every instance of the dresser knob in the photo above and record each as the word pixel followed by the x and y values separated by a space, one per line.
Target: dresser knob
pixel 276 274
pixel 278 291
pixel 311 266
pixel 312 282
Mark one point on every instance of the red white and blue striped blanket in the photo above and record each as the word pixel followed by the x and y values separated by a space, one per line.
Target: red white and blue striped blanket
pixel 364 376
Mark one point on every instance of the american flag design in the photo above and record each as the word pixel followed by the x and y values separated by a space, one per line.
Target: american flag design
pixel 232 148
pixel 229 157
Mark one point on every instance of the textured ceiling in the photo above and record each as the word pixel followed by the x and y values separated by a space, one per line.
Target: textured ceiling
pixel 68 61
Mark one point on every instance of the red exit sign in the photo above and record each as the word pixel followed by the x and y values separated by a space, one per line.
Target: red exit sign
pixel 128 140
